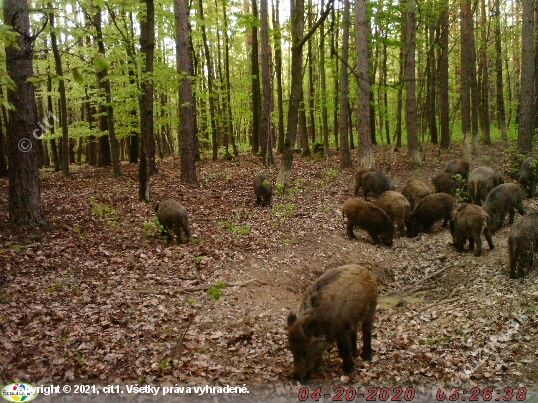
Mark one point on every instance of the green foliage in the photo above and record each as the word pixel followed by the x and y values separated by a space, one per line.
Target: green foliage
pixel 216 292
pixel 462 195
pixel 155 230
pixel 163 365
pixel 102 210
pixel 330 175
pixel 101 63
pixel 236 229
pixel 283 211
pixel 515 166
pixel 78 77
pixel 56 287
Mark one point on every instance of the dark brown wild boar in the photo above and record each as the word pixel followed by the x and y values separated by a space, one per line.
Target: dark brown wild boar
pixel 358 179
pixel 332 309
pixel 431 209
pixel 481 181
pixel 414 191
pixel 173 217
pixel 396 206
pixel 375 183
pixel 528 175
pixel 263 190
pixel 470 222
pixel 505 198
pixel 369 217
pixel 445 183
pixel 458 167
pixel 522 243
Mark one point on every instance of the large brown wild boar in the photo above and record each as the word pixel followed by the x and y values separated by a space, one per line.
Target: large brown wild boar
pixel 414 191
pixel 358 179
pixel 396 206
pixel 375 183
pixel 470 222
pixel 505 198
pixel 431 209
pixel 263 190
pixel 173 217
pixel 522 243
pixel 333 307
pixel 481 181
pixel 458 167
pixel 368 216
pixel 528 175
pixel 445 183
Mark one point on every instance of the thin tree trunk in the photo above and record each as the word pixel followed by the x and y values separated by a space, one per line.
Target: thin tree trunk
pixel 527 112
pixel 278 71
pixel 53 146
pixel 409 73
pixel 366 157
pixel 466 71
pixel 484 70
pixel 3 154
pixel 266 84
pixel 345 155
pixel 444 94
pixel 229 115
pixel 187 108
pixel 63 97
pixel 323 95
pixel 255 82
pixel 25 206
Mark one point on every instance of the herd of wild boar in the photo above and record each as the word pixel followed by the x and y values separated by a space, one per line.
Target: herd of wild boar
pixel 327 314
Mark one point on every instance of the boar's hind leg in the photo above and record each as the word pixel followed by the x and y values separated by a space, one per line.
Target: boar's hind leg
pixel 350 232
pixel 489 239
pixel 346 352
pixel 478 246
pixel 366 328
pixel 354 348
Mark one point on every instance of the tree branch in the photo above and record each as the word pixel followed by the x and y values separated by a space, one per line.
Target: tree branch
pixel 314 27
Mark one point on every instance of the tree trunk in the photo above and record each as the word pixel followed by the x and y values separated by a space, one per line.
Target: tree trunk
pixel 109 144
pixel 134 138
pixel 323 97
pixel 527 112
pixel 229 115
pixel 24 183
pixel 410 86
pixel 297 31
pixel 366 157
pixel 63 97
pixel 484 70
pixel 266 85
pixel 187 108
pixel 147 47
pixel 444 95
pixel 277 38
pixel 3 159
pixel 345 155
pixel 255 82
pixel 399 104
pixel 466 71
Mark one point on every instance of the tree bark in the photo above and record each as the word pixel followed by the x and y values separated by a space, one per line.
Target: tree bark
pixel 25 206
pixel 277 38
pixel 187 105
pixel 444 95
pixel 323 97
pixel 466 71
pixel 527 112
pixel 484 70
pixel 410 86
pixel 345 155
pixel 266 84
pixel 366 157
pixel 255 82
pixel 63 97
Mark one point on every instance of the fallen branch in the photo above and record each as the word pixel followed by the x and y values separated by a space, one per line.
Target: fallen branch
pixel 415 286
pixel 204 287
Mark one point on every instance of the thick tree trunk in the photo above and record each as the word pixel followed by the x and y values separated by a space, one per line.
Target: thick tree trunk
pixel 527 112
pixel 25 206
pixel 187 108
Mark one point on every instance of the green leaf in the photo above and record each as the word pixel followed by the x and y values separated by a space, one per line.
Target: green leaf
pixel 77 76
pixel 101 63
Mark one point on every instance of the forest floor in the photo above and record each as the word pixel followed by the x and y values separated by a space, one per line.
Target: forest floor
pixel 97 297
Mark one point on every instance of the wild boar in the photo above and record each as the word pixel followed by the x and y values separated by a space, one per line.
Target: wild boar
pixel 368 216
pixel 458 167
pixel 375 183
pixel 431 209
pixel 358 179
pixel 173 217
pixel 505 198
pixel 332 309
pixel 522 243
pixel 528 175
pixel 396 206
pixel 470 222
pixel 414 191
pixel 263 190
pixel 445 183
pixel 481 181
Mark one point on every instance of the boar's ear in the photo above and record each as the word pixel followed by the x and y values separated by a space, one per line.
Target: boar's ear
pixel 310 326
pixel 292 318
